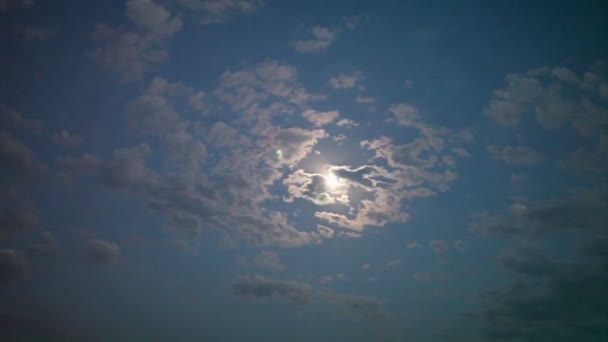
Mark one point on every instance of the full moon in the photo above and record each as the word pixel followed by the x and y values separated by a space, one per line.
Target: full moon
pixel 331 181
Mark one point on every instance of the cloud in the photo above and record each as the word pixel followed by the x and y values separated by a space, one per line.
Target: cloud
pixel 322 38
pixel 17 121
pixel 331 278
pixel 125 53
pixel 133 53
pixel 364 99
pixel 257 286
pixel 439 246
pixel 521 155
pixel 152 18
pixel 325 232
pixel 6 5
pixel 530 261
pixel 430 276
pixel 366 266
pixel 63 138
pixel 460 245
pixel 346 123
pixel 218 11
pixel 356 307
pixel 101 251
pixel 45 247
pixel 223 135
pixel 394 263
pixel 15 220
pixel 12 266
pixel 265 260
pixel 17 158
pixel 320 118
pixel 346 81
pixel 154 114
pixel 529 310
pixel 413 244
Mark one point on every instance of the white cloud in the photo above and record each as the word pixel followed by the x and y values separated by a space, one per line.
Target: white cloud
pixel 320 118
pixel 364 99
pixel 322 38
pixel 345 81
pixel 346 123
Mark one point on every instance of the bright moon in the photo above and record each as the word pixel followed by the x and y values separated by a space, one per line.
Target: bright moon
pixel 331 180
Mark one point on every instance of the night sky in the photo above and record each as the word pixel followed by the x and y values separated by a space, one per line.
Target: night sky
pixel 265 170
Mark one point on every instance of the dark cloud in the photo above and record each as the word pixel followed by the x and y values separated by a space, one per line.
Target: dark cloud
pixel 218 11
pixel 515 154
pixel 15 220
pixel 18 158
pixel 65 139
pixel 44 247
pixel 529 260
pixel 12 266
pixel 355 306
pixel 261 287
pixel 430 276
pixel 571 307
pixel 265 260
pixel 439 246
pixel 101 251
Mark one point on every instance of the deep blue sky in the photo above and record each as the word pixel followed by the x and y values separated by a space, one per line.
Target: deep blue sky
pixel 258 170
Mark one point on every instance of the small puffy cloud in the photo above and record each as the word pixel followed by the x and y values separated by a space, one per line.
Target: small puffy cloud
pixel 152 18
pixel 346 123
pixel 322 38
pixel 346 81
pixel 356 307
pixel 430 276
pixel 265 260
pixel 332 278
pixel 510 103
pixel 350 235
pixel 439 246
pixel 65 139
pixel 318 118
pixel 413 244
pixel 407 84
pixel 394 263
pixel 460 245
pixel 406 114
pixel 12 266
pixel 257 286
pixel 101 251
pixel 522 155
pixel 366 266
pixel 218 11
pixel 364 99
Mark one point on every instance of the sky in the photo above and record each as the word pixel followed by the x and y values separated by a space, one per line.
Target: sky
pixel 259 170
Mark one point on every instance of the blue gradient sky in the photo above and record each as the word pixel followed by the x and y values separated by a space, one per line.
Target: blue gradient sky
pixel 258 170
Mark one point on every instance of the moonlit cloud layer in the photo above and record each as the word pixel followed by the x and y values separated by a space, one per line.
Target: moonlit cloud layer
pixel 302 171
